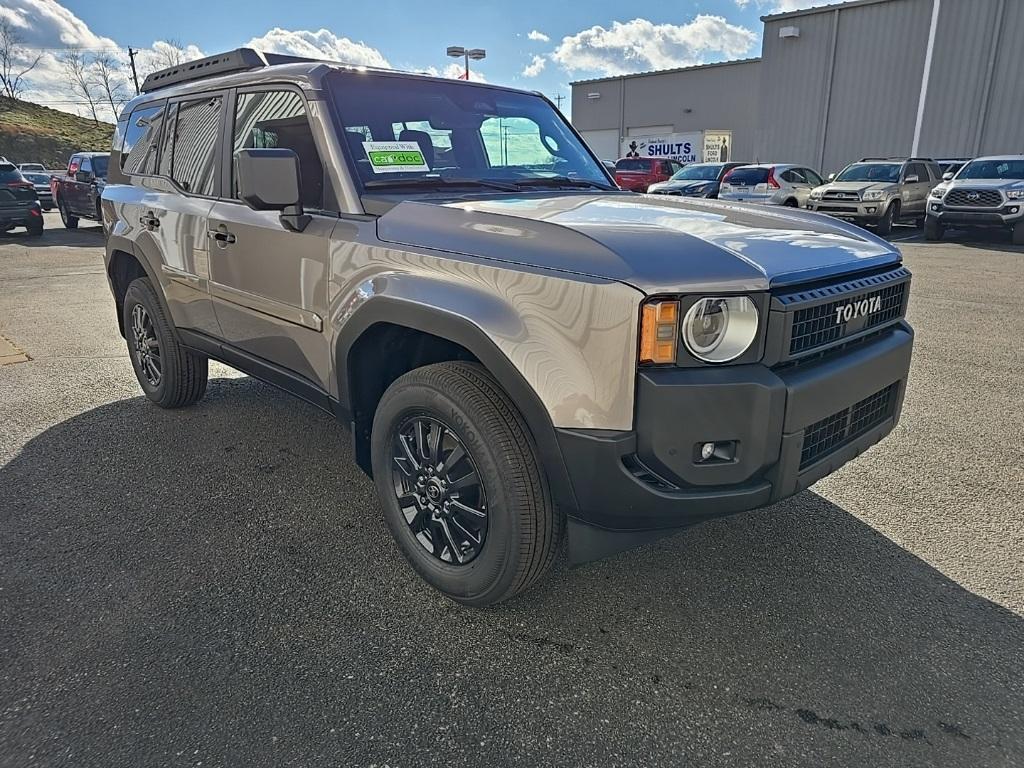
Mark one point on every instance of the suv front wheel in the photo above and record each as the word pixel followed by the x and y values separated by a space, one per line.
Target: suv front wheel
pixel 462 490
pixel 170 375
pixel 932 229
pixel 884 225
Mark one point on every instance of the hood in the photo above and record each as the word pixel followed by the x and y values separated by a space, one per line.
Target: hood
pixel 859 187
pixel 656 244
pixel 685 187
pixel 984 184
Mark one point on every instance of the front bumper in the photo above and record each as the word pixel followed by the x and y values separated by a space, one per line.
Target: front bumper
pixel 851 210
pixel 789 428
pixel 1006 216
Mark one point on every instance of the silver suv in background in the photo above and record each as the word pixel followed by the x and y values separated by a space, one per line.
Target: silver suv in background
pixel 879 191
pixel 986 192
pixel 770 184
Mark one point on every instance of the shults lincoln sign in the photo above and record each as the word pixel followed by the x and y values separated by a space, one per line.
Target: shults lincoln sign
pixel 681 147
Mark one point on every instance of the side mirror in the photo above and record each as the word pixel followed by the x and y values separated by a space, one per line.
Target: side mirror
pixel 911 179
pixel 269 180
pixel 947 176
pixel 831 177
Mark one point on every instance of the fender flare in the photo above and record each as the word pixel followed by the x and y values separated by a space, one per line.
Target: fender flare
pixel 459 330
pixel 124 245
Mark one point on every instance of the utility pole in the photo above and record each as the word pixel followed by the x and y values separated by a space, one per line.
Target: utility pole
pixel 135 75
pixel 558 101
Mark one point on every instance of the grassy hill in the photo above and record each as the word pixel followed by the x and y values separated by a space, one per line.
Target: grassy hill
pixel 30 133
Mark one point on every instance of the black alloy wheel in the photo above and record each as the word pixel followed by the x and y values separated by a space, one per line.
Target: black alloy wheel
pixel 439 490
pixel 145 346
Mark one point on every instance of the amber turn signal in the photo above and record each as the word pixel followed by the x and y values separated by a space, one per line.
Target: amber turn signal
pixel 659 329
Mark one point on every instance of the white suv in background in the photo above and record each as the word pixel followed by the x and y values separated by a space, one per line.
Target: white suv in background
pixel 770 184
pixel 986 192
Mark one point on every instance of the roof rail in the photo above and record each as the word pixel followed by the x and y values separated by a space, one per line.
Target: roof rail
pixel 238 60
pixel 895 159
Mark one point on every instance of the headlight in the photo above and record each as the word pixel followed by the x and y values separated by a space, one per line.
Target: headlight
pixel 1015 194
pixel 937 193
pixel 874 194
pixel 720 329
pixel 815 194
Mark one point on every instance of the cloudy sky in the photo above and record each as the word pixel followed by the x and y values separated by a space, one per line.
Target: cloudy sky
pixel 531 44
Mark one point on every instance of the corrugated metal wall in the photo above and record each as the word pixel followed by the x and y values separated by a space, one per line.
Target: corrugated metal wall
pixel 849 86
pixel 1004 124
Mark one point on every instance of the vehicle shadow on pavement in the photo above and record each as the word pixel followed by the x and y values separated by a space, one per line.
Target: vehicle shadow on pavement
pixel 217 582
pixel 86 236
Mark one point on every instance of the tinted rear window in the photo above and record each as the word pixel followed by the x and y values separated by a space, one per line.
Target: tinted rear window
pixel 633 164
pixel 747 177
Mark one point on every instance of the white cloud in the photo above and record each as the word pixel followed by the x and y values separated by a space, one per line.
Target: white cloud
pixel 320 44
pixel 742 3
pixel 639 45
pixel 535 67
pixel 538 36
pixel 454 71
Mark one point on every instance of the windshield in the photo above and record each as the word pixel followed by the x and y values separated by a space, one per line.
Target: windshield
pixel 889 172
pixel 699 172
pixel 413 130
pixel 36 178
pixel 992 169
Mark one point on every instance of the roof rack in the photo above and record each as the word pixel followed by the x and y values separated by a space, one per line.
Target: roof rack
pixel 895 159
pixel 238 60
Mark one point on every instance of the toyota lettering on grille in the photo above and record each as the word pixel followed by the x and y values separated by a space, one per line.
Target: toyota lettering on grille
pixel 855 309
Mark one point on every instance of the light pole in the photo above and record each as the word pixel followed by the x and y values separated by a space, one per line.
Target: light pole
pixel 456 51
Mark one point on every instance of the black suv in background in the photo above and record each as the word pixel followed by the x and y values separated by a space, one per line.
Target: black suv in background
pixel 19 205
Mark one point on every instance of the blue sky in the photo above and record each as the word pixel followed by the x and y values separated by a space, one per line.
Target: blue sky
pixel 569 40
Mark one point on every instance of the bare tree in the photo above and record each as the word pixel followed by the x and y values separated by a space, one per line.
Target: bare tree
pixel 108 81
pixel 80 78
pixel 170 54
pixel 13 57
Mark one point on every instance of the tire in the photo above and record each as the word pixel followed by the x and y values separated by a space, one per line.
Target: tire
pixel 884 225
pixel 523 529
pixel 932 230
pixel 35 230
pixel 1017 234
pixel 70 222
pixel 182 374
pixel 791 203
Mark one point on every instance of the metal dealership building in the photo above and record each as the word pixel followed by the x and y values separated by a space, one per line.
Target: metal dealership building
pixel 932 78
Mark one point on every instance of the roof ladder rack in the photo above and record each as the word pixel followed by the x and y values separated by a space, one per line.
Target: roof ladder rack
pixel 238 60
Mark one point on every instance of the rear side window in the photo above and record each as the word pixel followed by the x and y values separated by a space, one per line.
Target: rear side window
pixel 193 146
pixel 141 140
pixel 747 177
pixel 919 170
pixel 277 119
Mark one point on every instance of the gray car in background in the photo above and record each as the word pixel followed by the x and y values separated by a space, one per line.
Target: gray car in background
pixel 987 192
pixel 878 192
pixel 770 184
pixel 695 180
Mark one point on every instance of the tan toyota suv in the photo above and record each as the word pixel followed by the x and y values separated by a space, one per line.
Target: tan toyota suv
pixel 524 353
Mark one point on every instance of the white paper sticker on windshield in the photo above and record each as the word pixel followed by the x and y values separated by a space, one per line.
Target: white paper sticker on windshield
pixel 395 156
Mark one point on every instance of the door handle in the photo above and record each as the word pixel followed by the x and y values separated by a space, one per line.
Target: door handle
pixel 149 221
pixel 222 236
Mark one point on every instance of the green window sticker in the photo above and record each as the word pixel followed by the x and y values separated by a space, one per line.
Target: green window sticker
pixel 395 156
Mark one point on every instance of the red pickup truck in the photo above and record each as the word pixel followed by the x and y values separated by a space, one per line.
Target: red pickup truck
pixel 77 192
pixel 638 173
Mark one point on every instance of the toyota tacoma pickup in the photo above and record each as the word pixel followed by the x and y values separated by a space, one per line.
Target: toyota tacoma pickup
pixel 525 354
pixel 985 193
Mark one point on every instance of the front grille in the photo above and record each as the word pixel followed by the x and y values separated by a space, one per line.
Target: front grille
pixel 840 209
pixel 973 198
pixel 830 195
pixel 833 432
pixel 816 326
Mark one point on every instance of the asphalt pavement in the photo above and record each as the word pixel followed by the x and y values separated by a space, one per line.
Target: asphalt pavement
pixel 215 586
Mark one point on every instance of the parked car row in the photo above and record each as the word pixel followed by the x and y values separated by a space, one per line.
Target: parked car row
pixel 19 203
pixel 876 192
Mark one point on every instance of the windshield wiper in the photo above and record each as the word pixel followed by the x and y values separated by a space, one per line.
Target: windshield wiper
pixel 561 181
pixel 439 182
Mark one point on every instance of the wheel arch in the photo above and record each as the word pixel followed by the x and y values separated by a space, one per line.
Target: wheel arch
pixel 123 266
pixel 445 336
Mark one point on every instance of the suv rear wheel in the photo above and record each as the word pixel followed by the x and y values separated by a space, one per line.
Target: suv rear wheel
pixel 70 222
pixel 884 225
pixel 462 490
pixel 170 375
